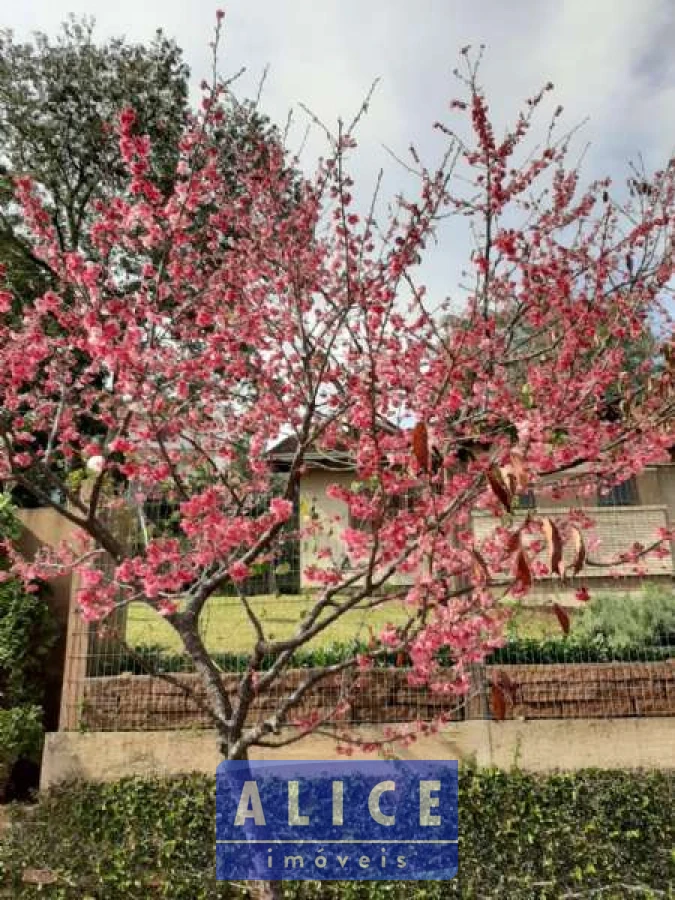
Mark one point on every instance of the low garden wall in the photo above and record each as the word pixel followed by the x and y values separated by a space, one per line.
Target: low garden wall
pixel 559 691
pixel 130 702
pixel 598 690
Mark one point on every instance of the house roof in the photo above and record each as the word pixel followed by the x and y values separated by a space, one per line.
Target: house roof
pixel 339 459
pixel 283 453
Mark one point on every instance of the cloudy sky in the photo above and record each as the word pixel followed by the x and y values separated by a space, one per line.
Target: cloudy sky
pixel 610 60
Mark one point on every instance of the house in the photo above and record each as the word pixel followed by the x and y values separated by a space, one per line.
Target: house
pixel 631 512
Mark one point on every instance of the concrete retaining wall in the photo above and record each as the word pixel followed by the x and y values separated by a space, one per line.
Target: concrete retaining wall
pixel 534 746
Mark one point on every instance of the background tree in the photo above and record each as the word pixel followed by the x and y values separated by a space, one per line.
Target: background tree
pixel 60 102
pixel 253 318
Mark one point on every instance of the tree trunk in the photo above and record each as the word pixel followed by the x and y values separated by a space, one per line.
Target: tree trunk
pixel 266 890
pixel 257 890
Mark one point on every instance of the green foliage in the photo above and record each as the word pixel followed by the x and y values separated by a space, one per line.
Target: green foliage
pixel 545 651
pixel 575 649
pixel 27 633
pixel 150 657
pixel 59 101
pixel 630 621
pixel 522 837
pixel 10 527
pixel 20 735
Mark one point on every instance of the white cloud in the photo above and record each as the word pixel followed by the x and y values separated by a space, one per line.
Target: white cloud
pixel 609 59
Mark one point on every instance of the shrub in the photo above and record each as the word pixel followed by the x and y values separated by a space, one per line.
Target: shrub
pixel 27 634
pixel 522 836
pixel 20 736
pixel 631 621
pixel 572 649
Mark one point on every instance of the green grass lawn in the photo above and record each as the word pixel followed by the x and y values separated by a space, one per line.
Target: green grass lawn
pixel 226 628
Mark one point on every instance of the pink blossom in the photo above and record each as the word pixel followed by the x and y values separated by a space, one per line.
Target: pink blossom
pixel 280 312
pixel 281 509
pixel 239 571
pixel 582 594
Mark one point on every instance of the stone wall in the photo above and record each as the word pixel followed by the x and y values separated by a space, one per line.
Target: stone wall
pixel 565 691
pixel 578 691
pixel 128 702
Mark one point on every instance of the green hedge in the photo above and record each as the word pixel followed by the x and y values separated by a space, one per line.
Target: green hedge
pixel 27 634
pixel 573 649
pixel 517 650
pixel 522 837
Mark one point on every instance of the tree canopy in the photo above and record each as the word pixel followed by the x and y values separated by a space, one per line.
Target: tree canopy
pixel 250 319
pixel 59 103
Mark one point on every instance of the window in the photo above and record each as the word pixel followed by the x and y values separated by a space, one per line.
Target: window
pixel 526 500
pixel 623 494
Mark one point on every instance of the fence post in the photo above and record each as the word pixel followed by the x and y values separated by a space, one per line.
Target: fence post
pixel 75 664
pixel 476 706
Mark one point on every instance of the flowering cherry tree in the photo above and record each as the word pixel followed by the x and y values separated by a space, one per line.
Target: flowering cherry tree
pixel 205 326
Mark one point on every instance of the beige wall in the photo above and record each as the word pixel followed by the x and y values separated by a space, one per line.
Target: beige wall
pixel 655 485
pixel 666 481
pixel 539 746
pixel 617 528
pixel 45 526
pixel 333 517
pixel 548 591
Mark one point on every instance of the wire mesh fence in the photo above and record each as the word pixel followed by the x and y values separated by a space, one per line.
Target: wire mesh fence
pixel 131 671
pixel 136 676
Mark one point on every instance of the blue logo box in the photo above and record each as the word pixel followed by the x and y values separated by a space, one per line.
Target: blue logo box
pixel 346 820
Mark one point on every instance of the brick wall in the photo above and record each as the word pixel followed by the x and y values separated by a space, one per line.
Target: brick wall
pixel 142 702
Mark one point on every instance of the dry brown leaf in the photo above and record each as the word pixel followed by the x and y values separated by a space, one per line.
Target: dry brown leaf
pixel 562 617
pixel 499 488
pixel 498 702
pixel 420 446
pixel 523 571
pixel 480 569
pixel 579 551
pixel 39 876
pixel 519 470
pixel 555 546
pixel 513 543
pixel 505 683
